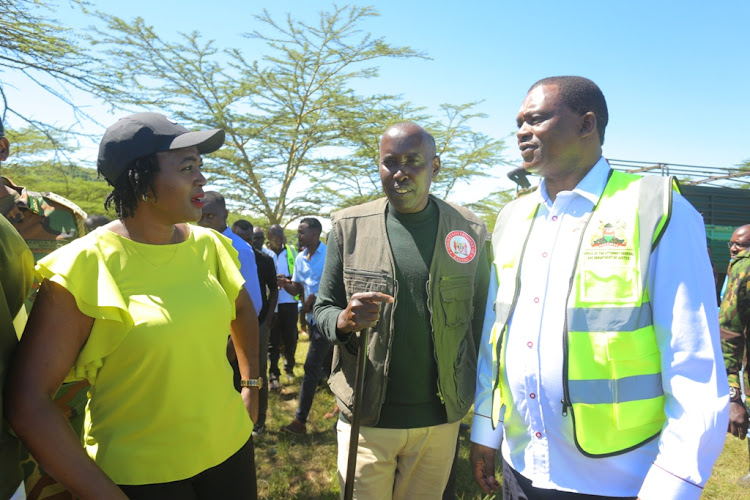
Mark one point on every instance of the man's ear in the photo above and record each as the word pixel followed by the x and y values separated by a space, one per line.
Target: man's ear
pixel 4 148
pixel 435 165
pixel 588 124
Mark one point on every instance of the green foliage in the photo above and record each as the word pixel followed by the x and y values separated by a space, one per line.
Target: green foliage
pixel 254 220
pixel 300 140
pixel 744 167
pixel 38 161
pixel 45 53
pixel 280 114
pixel 488 208
pixel 465 154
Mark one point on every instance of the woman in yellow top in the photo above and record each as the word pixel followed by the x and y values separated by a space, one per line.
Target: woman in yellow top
pixel 142 308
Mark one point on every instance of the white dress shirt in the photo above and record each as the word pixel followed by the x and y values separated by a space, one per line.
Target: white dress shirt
pixel 309 272
pixel 248 268
pixel 282 267
pixel 538 440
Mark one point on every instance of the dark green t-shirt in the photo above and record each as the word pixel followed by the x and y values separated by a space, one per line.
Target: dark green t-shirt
pixel 411 398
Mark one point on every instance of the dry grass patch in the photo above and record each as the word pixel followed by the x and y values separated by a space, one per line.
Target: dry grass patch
pixel 304 467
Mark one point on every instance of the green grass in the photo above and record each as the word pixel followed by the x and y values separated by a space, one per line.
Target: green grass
pixel 304 468
pixel 732 464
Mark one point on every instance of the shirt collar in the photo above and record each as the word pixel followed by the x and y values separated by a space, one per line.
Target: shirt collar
pixel 321 247
pixel 590 187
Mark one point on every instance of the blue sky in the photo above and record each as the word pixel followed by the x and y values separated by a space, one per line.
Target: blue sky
pixel 675 74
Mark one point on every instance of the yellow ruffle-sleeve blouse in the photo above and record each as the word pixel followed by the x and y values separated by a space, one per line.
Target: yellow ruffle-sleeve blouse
pixel 162 403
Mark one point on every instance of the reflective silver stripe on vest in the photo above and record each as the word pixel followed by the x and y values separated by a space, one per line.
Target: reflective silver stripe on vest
pixel 626 389
pixel 653 202
pixel 609 319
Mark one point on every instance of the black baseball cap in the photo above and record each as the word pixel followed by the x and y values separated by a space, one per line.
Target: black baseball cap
pixel 142 134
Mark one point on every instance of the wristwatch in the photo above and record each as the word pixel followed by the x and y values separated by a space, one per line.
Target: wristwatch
pixel 253 382
pixel 735 395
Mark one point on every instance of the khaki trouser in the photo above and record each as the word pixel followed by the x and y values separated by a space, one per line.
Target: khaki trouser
pixel 399 463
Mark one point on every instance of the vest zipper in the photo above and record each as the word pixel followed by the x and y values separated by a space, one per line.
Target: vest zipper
pixel 434 347
pixel 566 392
pixel 566 395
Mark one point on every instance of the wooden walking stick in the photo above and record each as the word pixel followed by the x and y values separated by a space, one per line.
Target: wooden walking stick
pixel 359 386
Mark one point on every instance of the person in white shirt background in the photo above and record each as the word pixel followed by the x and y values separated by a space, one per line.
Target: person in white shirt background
pixel 581 235
pixel 284 333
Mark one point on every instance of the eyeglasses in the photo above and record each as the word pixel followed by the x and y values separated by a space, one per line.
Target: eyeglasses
pixel 731 244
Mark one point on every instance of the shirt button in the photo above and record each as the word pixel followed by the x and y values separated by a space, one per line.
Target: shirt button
pixel 536 300
pixel 544 254
pixel 554 217
pixel 532 395
pixel 538 434
pixel 529 344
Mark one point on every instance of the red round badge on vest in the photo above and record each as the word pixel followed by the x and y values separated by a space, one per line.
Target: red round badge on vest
pixel 460 246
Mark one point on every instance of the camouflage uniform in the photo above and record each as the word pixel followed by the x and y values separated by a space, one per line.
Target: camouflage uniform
pixel 734 316
pixel 46 222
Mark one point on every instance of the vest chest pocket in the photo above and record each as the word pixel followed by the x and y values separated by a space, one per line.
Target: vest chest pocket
pixel 456 294
pixel 357 280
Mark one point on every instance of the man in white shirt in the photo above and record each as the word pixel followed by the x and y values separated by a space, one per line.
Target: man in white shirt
pixel 602 374
pixel 284 331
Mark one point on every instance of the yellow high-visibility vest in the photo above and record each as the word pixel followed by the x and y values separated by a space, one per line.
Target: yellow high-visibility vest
pixel 611 363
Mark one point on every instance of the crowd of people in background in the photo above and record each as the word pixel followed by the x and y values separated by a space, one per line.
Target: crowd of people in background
pixel 591 357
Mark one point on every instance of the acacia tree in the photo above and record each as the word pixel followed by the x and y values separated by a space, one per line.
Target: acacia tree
pixel 36 48
pixel 353 178
pixel 466 155
pixel 300 139
pixel 280 114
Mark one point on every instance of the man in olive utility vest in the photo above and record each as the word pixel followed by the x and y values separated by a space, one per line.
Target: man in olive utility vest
pixel 416 269
pixel 602 374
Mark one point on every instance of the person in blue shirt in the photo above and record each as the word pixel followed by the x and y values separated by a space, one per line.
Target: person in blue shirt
pixel 214 216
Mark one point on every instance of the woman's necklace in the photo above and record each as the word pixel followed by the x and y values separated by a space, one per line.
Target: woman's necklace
pixel 167 257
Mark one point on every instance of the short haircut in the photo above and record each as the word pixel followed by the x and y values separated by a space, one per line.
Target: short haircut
pixel 210 197
pixel 134 185
pixel 581 95
pixel 243 224
pixel 312 223
pixel 425 134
